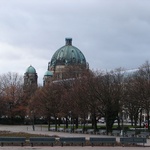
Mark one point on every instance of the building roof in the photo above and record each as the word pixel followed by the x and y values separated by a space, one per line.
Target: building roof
pixel 48 73
pixel 31 70
pixel 68 55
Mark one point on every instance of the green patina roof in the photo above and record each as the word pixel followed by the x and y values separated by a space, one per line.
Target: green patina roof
pixel 48 73
pixel 31 70
pixel 67 55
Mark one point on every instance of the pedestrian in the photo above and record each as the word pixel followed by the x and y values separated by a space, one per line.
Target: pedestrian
pixel 146 125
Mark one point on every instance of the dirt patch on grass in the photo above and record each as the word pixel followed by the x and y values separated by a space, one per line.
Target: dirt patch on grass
pixel 22 134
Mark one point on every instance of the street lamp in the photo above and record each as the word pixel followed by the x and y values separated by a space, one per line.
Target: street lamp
pixel 70 115
pixel 123 122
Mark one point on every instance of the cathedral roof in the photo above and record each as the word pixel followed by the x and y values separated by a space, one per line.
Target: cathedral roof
pixel 31 70
pixel 48 73
pixel 68 55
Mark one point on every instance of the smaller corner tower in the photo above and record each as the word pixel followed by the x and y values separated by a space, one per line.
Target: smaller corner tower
pixel 47 77
pixel 30 78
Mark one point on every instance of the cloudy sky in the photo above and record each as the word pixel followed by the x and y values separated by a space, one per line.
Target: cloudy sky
pixel 110 33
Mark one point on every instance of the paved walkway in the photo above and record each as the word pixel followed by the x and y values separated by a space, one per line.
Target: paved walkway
pixel 73 148
pixel 43 131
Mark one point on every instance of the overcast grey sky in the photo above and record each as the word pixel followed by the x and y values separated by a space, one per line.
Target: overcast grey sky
pixel 110 33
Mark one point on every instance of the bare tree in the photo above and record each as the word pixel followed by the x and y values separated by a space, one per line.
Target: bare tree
pixel 12 93
pixel 109 92
pixel 132 101
pixel 46 101
pixel 143 87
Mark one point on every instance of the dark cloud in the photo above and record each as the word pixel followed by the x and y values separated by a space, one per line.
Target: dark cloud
pixel 110 33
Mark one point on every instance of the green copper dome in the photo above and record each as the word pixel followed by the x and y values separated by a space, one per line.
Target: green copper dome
pixel 48 73
pixel 68 55
pixel 31 70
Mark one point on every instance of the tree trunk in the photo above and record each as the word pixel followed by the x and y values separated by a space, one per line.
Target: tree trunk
pixel 55 123
pixel 110 117
pixel 94 122
pixel 140 118
pixel 148 119
pixel 77 122
pixel 66 122
pixel 84 122
pixel 49 124
pixel 118 119
pixel 59 121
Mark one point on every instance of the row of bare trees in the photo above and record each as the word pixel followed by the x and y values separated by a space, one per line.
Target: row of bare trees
pixel 100 94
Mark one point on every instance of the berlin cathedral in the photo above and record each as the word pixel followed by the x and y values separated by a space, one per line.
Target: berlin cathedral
pixel 65 57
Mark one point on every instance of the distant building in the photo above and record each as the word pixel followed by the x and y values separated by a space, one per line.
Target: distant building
pixel 67 62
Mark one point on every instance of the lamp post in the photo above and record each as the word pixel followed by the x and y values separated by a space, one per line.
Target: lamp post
pixel 122 122
pixel 70 120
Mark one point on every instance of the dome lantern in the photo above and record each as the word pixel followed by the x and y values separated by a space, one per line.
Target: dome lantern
pixel 68 41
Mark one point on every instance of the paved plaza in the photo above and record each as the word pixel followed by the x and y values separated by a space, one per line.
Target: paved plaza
pixel 73 148
pixel 43 131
